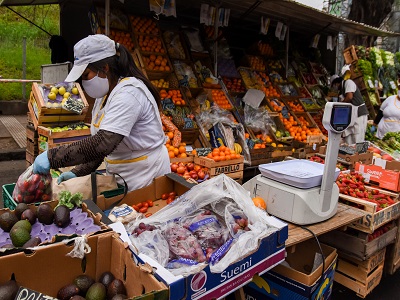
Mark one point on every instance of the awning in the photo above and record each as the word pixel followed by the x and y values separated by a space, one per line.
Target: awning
pixel 300 17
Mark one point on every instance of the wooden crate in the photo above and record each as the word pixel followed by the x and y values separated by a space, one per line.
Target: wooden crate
pixel 392 260
pixel 350 55
pixel 30 158
pixel 188 159
pixel 55 139
pixel 355 244
pixel 31 132
pixel 357 278
pixel 372 218
pixel 189 136
pixel 32 146
pixel 232 168
pixel 41 115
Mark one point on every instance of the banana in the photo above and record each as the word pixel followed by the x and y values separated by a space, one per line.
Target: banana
pixel 207 103
pixel 221 142
pixel 238 149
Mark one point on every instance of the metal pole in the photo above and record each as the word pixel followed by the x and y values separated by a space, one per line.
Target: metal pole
pixel 107 18
pixel 24 67
pixel 216 23
pixel 287 50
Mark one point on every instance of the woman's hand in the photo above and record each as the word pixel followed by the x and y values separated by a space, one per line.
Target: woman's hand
pixel 65 176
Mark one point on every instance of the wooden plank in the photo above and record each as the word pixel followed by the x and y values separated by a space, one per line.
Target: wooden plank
pixel 51 134
pixel 345 215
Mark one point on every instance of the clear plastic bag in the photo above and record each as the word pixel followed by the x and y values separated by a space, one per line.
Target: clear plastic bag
pixel 32 187
pixel 226 197
pixel 257 119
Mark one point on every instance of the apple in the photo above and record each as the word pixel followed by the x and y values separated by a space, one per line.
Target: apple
pixel 190 166
pixel 201 174
pixel 181 170
pixel 52 96
pixel 54 90
pixel 61 90
pixel 75 91
pixel 66 95
pixel 174 167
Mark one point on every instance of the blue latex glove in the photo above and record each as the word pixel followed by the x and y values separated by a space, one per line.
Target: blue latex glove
pixel 41 165
pixel 65 176
pixel 373 129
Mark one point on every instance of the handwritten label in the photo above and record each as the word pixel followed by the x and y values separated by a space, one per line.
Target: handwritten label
pixel 28 294
pixel 203 151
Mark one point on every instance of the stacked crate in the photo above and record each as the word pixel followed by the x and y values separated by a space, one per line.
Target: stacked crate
pixel 32 149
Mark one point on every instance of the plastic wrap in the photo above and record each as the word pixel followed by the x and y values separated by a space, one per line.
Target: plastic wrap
pixel 32 187
pixel 257 119
pixel 227 199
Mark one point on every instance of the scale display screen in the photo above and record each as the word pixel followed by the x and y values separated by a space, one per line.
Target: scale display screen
pixel 340 117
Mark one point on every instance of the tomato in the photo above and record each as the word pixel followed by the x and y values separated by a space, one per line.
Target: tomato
pixel 148 215
pixel 150 202
pixel 169 200
pixel 172 194
pixel 164 196
pixel 139 205
pixel 145 204
pixel 143 210
pixel 135 207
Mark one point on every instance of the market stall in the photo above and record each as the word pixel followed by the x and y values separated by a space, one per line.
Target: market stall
pixel 231 100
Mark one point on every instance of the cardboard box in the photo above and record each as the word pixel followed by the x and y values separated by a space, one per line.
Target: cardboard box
pixel 206 285
pixel 297 282
pixel 382 176
pixel 48 269
pixel 164 184
pixel 364 158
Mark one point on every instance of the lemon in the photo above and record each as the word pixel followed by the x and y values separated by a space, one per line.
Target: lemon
pixel 61 90
pixel 54 90
pixel 66 95
pixel 75 91
pixel 52 96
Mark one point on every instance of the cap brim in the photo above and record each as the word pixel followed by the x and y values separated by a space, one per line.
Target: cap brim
pixel 75 73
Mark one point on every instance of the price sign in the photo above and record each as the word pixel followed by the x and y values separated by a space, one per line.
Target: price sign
pixel 362 147
pixel 250 143
pixel 285 112
pixel 203 151
pixel 371 84
pixel 28 294
pixel 167 104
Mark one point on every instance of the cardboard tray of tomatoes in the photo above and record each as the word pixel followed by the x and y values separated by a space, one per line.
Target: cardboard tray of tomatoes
pixel 380 206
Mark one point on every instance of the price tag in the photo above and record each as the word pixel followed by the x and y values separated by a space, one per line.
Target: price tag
pixel 362 147
pixel 250 143
pixel 25 294
pixel 203 151
pixel 285 112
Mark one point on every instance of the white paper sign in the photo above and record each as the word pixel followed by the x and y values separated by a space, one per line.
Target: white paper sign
pixel 329 43
pixel 315 41
pixel 283 33
pixel 264 25
pixel 371 84
pixel 204 13
pixel 278 30
pixel 253 97
pixel 392 85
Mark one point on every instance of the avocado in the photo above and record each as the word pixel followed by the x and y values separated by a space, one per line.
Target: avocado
pixel 7 220
pixel 83 282
pixel 62 216
pixel 106 278
pixel 96 292
pixel 119 297
pixel 33 242
pixel 8 290
pixel 29 215
pixel 45 214
pixel 115 287
pixel 19 209
pixel 23 224
pixel 19 236
pixel 68 291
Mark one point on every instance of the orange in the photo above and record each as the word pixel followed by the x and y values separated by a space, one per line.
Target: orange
pixel 216 158
pixel 259 202
pixel 171 154
pixel 194 152
pixel 170 134
pixel 176 151
pixel 228 157
pixel 182 149
pixel 183 155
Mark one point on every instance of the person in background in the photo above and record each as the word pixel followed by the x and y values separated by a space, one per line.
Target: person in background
pixel 126 126
pixel 351 94
pixel 388 118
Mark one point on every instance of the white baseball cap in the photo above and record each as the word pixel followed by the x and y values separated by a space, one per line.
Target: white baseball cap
pixel 345 69
pixel 89 50
pixel 333 77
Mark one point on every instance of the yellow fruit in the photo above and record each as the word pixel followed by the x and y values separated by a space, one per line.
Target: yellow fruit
pixel 54 90
pixel 66 95
pixel 75 91
pixel 61 90
pixel 52 96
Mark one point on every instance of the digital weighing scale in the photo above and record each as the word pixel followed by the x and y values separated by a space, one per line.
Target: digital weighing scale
pixel 301 191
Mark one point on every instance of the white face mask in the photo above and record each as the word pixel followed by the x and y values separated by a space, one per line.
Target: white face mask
pixel 96 87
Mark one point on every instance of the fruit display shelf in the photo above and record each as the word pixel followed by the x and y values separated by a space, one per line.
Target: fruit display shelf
pixel 43 114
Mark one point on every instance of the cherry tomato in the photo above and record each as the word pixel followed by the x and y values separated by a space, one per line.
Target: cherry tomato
pixel 139 205
pixel 164 196
pixel 169 200
pixel 143 210
pixel 135 207
pixel 148 215
pixel 172 194
pixel 150 202
pixel 145 204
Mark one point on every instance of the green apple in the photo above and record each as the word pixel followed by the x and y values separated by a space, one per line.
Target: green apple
pixel 75 91
pixel 61 90
pixel 52 96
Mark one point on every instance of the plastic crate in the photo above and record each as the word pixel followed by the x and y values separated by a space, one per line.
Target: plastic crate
pixel 115 192
pixel 8 200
